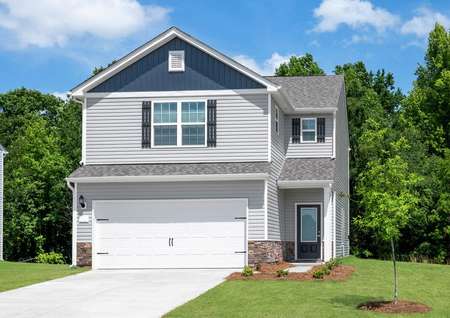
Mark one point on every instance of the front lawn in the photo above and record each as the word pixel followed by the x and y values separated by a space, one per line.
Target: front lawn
pixel 429 284
pixel 14 275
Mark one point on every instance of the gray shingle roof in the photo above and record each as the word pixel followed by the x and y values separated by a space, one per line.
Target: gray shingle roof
pixel 320 91
pixel 132 170
pixel 308 169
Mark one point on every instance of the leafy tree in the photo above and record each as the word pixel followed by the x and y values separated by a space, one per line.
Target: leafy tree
pixel 99 69
pixel 389 195
pixel 433 80
pixel 299 66
pixel 42 135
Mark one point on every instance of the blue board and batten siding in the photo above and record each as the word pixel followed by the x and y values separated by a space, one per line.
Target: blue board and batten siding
pixel 202 72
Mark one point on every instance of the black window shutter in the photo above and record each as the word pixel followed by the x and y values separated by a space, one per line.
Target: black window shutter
pixel 146 124
pixel 320 129
pixel 296 130
pixel 212 120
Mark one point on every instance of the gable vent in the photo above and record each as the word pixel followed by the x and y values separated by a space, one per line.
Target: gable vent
pixel 176 61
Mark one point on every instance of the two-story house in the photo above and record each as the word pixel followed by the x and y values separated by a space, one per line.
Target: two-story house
pixel 191 160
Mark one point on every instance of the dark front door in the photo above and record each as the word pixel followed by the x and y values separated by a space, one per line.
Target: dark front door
pixel 308 232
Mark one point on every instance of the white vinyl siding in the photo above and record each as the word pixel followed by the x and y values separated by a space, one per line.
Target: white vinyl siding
pixel 310 149
pixel 278 155
pixel 114 132
pixel 251 190
pixel 342 181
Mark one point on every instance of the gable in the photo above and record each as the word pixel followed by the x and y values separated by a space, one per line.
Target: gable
pixel 202 72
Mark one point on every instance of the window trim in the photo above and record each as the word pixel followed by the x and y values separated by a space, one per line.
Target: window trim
pixel 179 124
pixel 308 130
pixel 169 61
pixel 277 120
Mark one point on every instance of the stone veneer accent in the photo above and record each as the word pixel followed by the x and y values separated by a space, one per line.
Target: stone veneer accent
pixel 264 252
pixel 84 254
pixel 288 250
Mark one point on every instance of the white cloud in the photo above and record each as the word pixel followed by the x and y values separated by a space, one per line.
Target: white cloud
pixel 423 22
pixel 353 13
pixel 49 23
pixel 62 95
pixel 267 67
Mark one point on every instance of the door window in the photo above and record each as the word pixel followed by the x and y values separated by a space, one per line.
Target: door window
pixel 308 224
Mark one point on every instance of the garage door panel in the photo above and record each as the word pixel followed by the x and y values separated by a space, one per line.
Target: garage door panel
pixel 170 234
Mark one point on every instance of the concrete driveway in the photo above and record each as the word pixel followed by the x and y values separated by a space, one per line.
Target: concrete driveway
pixel 110 293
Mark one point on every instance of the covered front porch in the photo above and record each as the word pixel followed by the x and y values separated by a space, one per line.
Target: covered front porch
pixel 307 213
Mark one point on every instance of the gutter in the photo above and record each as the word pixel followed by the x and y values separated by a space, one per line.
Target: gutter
pixel 302 184
pixel 170 178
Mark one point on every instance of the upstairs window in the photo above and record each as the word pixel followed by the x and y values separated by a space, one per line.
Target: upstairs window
pixel 309 130
pixel 193 123
pixel 277 120
pixel 165 124
pixel 176 61
pixel 178 124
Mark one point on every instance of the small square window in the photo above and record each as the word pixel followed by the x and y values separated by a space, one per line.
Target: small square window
pixel 176 61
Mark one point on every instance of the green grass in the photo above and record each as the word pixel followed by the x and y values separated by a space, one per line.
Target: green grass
pixel 425 283
pixel 14 275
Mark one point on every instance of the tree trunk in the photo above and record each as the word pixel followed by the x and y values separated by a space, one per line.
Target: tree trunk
pixel 395 272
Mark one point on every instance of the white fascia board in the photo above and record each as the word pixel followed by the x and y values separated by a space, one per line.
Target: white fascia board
pixel 318 110
pixel 304 184
pixel 160 40
pixel 163 94
pixel 171 178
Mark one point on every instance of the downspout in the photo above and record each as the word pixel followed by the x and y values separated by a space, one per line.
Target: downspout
pixel 73 189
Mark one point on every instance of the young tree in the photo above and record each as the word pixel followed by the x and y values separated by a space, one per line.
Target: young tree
pixel 389 196
pixel 299 66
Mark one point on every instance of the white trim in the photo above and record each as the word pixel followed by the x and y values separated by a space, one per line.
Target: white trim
pixel 334 135
pixel 74 190
pixel 321 225
pixel 302 184
pixel 179 124
pixel 308 130
pixel 170 57
pixel 269 122
pixel 162 94
pixel 333 193
pixel 83 130
pixel 153 45
pixel 306 110
pixel 266 210
pixel 172 178
pixel 94 220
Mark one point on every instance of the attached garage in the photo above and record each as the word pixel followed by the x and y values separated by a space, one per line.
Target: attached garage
pixel 175 233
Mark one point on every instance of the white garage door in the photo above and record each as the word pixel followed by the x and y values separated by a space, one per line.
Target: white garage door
pixel 169 233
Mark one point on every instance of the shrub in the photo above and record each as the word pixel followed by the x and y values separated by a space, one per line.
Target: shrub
pixel 50 258
pixel 333 263
pixel 321 272
pixel 282 272
pixel 247 271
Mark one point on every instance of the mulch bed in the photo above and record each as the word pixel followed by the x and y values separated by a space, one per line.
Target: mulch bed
pixel 388 307
pixel 339 273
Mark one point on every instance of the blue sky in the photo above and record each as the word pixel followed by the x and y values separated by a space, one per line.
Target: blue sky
pixel 55 45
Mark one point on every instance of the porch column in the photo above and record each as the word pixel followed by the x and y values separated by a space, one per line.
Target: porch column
pixel 327 242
